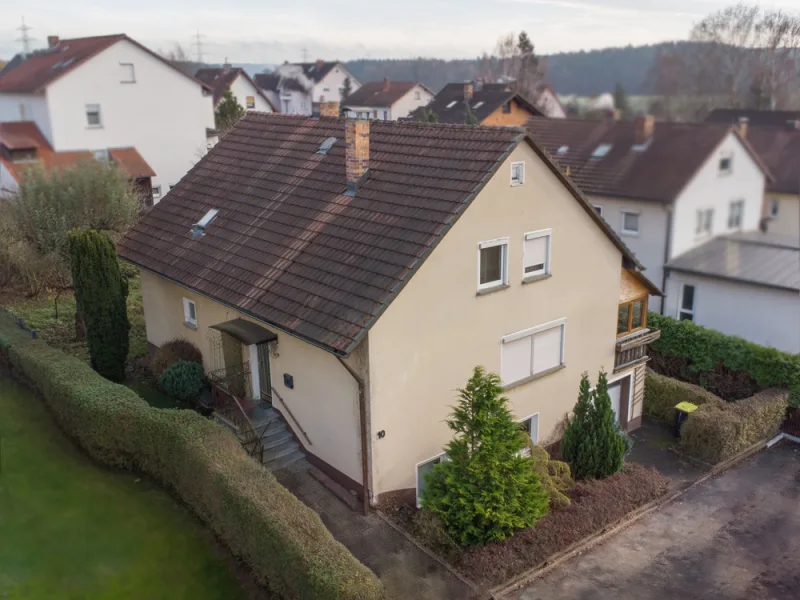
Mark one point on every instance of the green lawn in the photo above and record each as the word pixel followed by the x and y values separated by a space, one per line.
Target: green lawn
pixel 72 530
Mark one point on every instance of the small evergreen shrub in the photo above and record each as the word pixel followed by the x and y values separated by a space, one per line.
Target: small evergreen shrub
pixel 555 475
pixel 592 444
pixel 173 351
pixel 719 430
pixel 183 380
pixel 486 490
pixel 662 393
pixel 726 365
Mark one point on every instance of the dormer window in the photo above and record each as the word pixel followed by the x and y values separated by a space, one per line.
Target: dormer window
pixel 601 151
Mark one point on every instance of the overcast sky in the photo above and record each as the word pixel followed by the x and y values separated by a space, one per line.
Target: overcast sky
pixel 268 31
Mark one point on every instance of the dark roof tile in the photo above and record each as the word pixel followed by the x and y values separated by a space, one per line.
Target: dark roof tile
pixel 379 93
pixel 449 106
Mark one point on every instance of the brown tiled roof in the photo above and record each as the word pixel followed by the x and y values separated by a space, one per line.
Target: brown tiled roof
pixel 659 171
pixel 779 148
pixel 449 104
pixel 379 93
pixel 220 79
pixel 316 71
pixel 275 82
pixel 759 118
pixel 131 162
pixel 290 248
pixel 35 72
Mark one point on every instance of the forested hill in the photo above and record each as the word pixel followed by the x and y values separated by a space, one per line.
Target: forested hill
pixel 581 73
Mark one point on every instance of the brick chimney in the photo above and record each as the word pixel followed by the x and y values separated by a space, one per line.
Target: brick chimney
pixel 329 109
pixel 742 127
pixel 52 41
pixel 356 138
pixel 643 128
pixel 386 84
pixel 469 89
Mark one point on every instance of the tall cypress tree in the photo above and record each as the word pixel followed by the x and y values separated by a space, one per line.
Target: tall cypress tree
pixel 609 442
pixel 577 444
pixel 101 293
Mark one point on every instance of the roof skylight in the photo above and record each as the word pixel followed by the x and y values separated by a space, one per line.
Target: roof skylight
pixel 562 150
pixel 478 104
pixel 326 145
pixel 451 105
pixel 601 150
pixel 199 228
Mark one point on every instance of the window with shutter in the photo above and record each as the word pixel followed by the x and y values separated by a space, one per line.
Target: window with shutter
pixel 536 255
pixel 532 352
pixel 516 360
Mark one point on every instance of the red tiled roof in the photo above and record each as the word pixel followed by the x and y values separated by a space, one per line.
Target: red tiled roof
pixel 379 93
pixel 21 135
pixel 34 73
pixel 658 171
pixel 131 162
pixel 220 79
pixel 290 248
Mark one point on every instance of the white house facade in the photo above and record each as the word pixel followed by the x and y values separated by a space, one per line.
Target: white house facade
pixel 319 82
pixel 112 92
pixel 387 100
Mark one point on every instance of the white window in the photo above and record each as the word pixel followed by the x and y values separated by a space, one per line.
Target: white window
pixel 189 313
pixel 536 254
pixel 598 208
pixel 517 173
pixel 417 95
pixel 93 115
pixel 531 427
pixel 127 73
pixel 630 222
pixel 705 220
pixel 250 101
pixel 423 469
pixel 156 192
pixel 492 263
pixel 686 308
pixel 736 214
pixel 726 163
pixel 774 207
pixel 532 352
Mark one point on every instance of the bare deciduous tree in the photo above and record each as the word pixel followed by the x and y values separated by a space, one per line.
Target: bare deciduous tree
pixel 741 57
pixel 513 60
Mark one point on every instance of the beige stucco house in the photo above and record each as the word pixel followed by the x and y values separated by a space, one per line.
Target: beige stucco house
pixel 361 270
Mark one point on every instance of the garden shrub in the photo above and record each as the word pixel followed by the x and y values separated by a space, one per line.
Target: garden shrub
pixel 719 430
pixel 284 542
pixel 183 380
pixel 596 504
pixel 173 351
pixel 729 366
pixel 555 475
pixel 592 444
pixel 486 490
pixel 662 393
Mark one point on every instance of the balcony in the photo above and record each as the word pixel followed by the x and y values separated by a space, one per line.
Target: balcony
pixel 632 349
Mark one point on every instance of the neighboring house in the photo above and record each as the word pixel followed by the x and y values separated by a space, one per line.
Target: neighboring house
pixel 775 135
pixel 354 286
pixel 548 103
pixel 23 146
pixel 490 103
pixel 285 93
pixel 110 91
pixel 663 187
pixel 249 95
pixel 387 100
pixel 745 284
pixel 320 81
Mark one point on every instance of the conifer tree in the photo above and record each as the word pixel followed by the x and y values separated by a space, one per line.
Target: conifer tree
pixel 577 443
pixel 485 490
pixel 229 111
pixel 101 292
pixel 610 446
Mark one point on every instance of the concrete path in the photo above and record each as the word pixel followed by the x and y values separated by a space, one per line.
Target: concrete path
pixel 736 536
pixel 406 571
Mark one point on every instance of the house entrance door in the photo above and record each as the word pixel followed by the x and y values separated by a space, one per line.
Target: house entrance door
pixel 264 376
pixel 619 392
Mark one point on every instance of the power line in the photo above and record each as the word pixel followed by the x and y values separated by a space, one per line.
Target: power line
pixel 24 37
pixel 198 44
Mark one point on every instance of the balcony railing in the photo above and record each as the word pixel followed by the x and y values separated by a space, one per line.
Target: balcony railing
pixel 632 349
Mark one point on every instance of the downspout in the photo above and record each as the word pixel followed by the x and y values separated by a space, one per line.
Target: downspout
pixel 362 413
pixel 667 250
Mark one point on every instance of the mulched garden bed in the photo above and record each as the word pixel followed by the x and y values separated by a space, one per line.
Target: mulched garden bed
pixel 594 506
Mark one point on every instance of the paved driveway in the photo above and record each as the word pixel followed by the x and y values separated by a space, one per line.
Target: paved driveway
pixel 736 536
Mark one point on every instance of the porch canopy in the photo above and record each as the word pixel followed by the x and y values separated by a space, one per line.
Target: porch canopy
pixel 247 332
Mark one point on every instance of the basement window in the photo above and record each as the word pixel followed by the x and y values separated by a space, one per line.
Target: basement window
pixel 531 427
pixel 423 469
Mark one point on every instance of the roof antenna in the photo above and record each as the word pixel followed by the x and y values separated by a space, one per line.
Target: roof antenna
pixel 24 37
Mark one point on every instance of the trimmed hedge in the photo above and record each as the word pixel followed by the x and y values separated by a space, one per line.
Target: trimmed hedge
pixel 662 393
pixel 729 366
pixel 284 542
pixel 718 430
